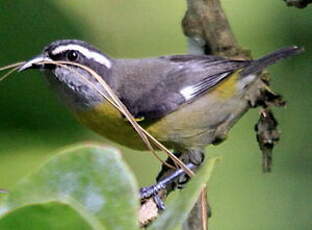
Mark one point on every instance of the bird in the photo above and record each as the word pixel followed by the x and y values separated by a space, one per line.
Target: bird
pixel 186 102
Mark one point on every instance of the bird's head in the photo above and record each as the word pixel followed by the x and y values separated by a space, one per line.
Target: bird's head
pixel 61 60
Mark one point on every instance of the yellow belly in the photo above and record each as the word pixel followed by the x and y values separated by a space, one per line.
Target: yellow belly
pixel 108 122
pixel 105 120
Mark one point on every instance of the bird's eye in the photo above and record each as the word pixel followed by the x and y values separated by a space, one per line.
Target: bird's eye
pixel 72 55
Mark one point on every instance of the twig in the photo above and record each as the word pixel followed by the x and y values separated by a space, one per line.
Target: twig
pixel 298 3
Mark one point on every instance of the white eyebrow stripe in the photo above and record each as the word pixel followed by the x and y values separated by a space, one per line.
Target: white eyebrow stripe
pixel 86 52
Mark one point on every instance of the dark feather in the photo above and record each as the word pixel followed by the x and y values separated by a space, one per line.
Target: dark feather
pixel 174 73
pixel 261 63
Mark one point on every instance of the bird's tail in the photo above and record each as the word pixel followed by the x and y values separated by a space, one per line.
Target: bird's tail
pixel 258 65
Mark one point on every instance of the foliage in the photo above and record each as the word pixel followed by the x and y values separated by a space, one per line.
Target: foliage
pixel 88 187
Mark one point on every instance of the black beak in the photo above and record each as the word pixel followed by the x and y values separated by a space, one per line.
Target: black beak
pixel 35 62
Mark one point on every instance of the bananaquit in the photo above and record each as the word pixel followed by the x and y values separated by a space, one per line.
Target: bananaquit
pixel 185 101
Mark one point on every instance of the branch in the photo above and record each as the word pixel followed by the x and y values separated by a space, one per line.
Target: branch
pixel 148 213
pixel 209 32
pixel 298 3
pixel 207 27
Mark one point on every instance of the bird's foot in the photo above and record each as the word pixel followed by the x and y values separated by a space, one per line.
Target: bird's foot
pixel 153 190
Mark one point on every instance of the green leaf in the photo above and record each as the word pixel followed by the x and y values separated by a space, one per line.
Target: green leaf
pixel 94 176
pixel 51 215
pixel 180 206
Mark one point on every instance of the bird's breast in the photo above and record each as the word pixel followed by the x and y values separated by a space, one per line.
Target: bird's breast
pixel 108 122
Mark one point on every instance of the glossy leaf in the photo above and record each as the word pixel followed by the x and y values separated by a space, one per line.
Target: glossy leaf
pixel 94 176
pixel 51 215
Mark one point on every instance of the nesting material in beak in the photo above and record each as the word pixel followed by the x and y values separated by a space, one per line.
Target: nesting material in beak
pixel 35 62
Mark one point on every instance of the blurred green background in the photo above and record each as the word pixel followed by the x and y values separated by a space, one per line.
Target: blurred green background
pixel 33 124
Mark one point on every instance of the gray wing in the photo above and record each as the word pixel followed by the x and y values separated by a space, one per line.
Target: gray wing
pixel 187 77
